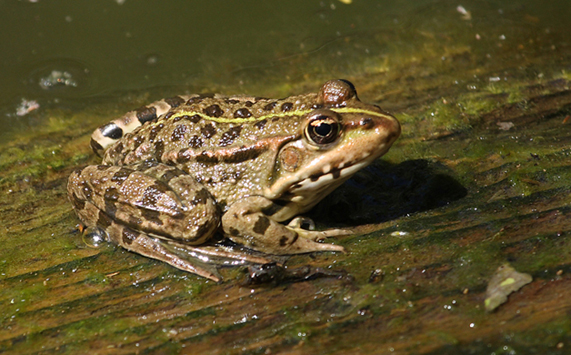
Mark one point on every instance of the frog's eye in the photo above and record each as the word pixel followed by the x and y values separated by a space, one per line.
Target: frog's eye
pixel 322 128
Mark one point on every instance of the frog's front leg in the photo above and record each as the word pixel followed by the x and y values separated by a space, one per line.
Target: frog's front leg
pixel 141 204
pixel 245 223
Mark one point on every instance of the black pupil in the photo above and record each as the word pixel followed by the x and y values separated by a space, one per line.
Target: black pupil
pixel 323 129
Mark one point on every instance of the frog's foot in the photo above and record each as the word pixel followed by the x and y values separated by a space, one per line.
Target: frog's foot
pixel 305 227
pixel 154 248
pixel 246 224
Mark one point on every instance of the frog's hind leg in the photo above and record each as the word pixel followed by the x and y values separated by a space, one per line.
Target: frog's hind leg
pixel 133 204
pixel 154 248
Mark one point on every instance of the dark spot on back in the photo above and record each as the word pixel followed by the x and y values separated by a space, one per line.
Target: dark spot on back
pixel 231 101
pixel 170 114
pixel 103 167
pixel 193 118
pixel 195 100
pixel 270 106
pixel 111 130
pixel 146 114
pixel 248 103
pixel 336 174
pixel 242 113
pixel 261 225
pixel 260 124
pixel 154 131
pixel 214 111
pixel 137 141
pixel 233 232
pixel 178 132
pixel 208 130
pixel 175 101
pixel 229 136
pixel 287 106
pixel 195 142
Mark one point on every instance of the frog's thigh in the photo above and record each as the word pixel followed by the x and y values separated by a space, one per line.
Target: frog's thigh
pixel 151 198
pixel 246 224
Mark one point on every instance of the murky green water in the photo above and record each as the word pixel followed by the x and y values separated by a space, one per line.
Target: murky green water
pixel 479 177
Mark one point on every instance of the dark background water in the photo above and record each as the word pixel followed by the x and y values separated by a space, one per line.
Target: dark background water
pixel 250 47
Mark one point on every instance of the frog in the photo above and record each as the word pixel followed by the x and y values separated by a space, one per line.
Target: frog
pixel 179 172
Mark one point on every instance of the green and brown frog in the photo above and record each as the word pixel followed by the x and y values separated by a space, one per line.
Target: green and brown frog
pixel 182 169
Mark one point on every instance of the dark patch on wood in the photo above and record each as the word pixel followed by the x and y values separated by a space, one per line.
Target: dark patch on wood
pixel 146 114
pixel 229 136
pixel 261 225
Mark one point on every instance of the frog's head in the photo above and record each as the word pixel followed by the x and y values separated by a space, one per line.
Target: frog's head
pixel 337 139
